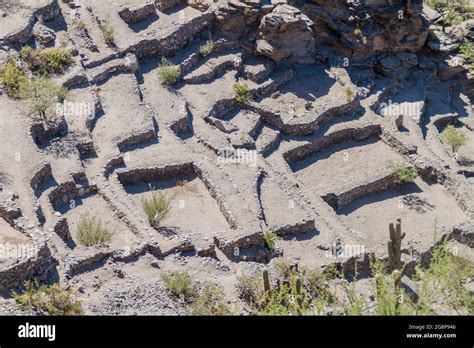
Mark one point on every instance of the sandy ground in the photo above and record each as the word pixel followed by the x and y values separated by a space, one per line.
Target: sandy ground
pixel 192 207
pixel 432 208
pixel 334 167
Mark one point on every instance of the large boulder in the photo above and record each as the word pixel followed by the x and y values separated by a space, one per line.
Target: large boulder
pixel 285 35
pixel 235 18
pixel 442 42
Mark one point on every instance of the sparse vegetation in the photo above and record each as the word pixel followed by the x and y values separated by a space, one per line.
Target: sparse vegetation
pixel 13 79
pixel 307 292
pixel 270 239
pixel 211 301
pixel 287 299
pixel 451 12
pixel 242 92
pixel 349 94
pixel 63 42
pixel 179 284
pixel 168 73
pixel 207 48
pixel 91 231
pixel 358 31
pixel 46 61
pixel 445 281
pixel 283 267
pixel 390 298
pixel 43 94
pixel 404 173
pixel 249 288
pixel 108 32
pixel 48 299
pixel 81 25
pixel 156 208
pixel 467 51
pixel 454 138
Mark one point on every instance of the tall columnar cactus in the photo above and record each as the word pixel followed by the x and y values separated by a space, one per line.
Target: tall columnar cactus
pixel 395 245
pixel 266 281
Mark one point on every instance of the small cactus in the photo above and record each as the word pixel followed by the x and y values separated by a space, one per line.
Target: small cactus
pixel 395 245
pixel 397 278
pixel 266 281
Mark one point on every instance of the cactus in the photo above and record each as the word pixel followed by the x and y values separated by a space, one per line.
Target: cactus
pixel 395 245
pixel 397 278
pixel 266 281
pixel 298 285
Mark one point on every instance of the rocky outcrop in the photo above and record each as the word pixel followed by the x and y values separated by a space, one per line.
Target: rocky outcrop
pixel 236 18
pixel 359 30
pixel 442 42
pixel 285 35
pixel 302 31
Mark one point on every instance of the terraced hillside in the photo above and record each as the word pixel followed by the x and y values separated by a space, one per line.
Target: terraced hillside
pixel 218 139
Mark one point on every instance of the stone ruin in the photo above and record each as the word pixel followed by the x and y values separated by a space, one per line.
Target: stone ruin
pixel 308 155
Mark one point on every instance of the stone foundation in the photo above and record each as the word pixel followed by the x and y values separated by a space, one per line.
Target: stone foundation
pixel 38 266
pixel 347 134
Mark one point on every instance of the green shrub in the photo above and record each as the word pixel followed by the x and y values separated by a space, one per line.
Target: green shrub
pixel 42 94
pixel 156 208
pixel 107 32
pixel 207 48
pixel 390 298
pixel 451 12
pixel 14 80
pixel 283 267
pixel 444 281
pixel 50 299
pixel 211 301
pixel 81 25
pixel 242 92
pixel 179 284
pixel 356 305
pixel 467 51
pixel 442 284
pixel 404 173
pixel 46 61
pixel 288 299
pixel 316 284
pixel 249 289
pixel 63 42
pixel 91 231
pixel 358 31
pixel 168 73
pixel 349 94
pixel 453 137
pixel 270 239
